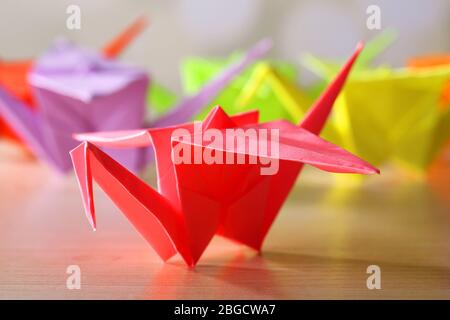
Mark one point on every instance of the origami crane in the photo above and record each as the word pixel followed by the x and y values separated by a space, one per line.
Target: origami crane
pixel 14 74
pixel 195 201
pixel 79 91
pixel 405 114
pixel 197 71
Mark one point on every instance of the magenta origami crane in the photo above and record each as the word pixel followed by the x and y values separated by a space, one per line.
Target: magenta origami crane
pixel 195 201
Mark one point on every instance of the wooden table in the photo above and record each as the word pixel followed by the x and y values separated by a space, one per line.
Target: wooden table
pixel 320 246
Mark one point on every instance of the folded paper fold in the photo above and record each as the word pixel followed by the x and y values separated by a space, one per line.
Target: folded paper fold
pixel 198 71
pixel 76 90
pixel 409 125
pixel 14 74
pixel 196 200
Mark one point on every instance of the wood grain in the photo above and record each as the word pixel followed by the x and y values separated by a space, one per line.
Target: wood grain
pixel 320 246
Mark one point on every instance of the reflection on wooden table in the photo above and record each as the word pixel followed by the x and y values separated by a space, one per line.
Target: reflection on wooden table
pixel 320 246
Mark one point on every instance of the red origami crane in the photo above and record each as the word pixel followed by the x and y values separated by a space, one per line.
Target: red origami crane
pixel 195 201
pixel 14 74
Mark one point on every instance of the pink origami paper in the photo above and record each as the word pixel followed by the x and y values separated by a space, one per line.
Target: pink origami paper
pixel 77 91
pixel 196 201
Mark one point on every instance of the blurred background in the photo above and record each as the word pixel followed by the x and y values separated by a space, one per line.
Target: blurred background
pixel 181 28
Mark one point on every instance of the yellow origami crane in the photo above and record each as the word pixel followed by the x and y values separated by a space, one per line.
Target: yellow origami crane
pixel 404 117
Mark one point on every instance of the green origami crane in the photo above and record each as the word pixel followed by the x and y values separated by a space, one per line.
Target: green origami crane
pixel 197 71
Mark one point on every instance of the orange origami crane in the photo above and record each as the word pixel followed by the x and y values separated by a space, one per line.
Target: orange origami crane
pixel 13 74
pixel 195 201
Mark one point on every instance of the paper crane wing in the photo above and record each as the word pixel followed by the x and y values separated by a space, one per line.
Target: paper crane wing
pixel 294 144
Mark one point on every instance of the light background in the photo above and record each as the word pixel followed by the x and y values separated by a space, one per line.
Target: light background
pixel 182 28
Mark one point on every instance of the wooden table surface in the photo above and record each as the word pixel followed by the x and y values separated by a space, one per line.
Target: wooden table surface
pixel 320 246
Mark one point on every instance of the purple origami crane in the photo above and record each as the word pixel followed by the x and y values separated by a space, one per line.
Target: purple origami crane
pixel 80 91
